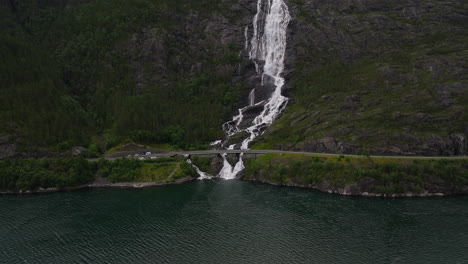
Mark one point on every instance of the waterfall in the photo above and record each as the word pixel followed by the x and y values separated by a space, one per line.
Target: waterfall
pixel 228 172
pixel 246 37
pixel 267 52
pixel 268 45
pixel 203 175
pixel 252 97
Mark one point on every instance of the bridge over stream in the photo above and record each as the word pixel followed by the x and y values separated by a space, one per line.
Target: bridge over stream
pixel 248 154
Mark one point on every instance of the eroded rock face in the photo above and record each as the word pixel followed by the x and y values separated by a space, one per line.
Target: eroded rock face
pixel 7 149
pixel 434 145
pixel 190 47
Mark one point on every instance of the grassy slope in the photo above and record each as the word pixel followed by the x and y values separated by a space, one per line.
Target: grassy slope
pixel 31 174
pixel 135 147
pixel 160 170
pixel 408 79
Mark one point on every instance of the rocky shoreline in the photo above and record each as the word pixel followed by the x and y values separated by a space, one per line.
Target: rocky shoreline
pixel 350 190
pixel 120 185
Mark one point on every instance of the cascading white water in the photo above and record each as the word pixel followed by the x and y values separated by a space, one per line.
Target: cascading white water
pixel 246 36
pixel 268 45
pixel 228 172
pixel 203 175
pixel 252 97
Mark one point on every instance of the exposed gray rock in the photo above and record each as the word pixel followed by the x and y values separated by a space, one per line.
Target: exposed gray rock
pixel 78 150
pixel 7 150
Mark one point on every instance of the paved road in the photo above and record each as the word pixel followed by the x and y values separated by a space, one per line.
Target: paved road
pixel 214 152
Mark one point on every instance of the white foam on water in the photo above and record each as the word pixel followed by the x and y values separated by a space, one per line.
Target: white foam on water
pixel 228 172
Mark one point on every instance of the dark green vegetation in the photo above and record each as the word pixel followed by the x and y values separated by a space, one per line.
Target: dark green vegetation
pixel 101 72
pixel 31 174
pixel 354 175
pixel 388 76
pixel 358 175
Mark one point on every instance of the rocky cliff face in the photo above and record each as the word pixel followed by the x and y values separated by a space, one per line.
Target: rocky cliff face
pixel 7 149
pixel 196 44
pixel 385 76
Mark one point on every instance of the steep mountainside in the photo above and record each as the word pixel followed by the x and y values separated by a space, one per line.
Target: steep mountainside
pixel 389 77
pixel 102 72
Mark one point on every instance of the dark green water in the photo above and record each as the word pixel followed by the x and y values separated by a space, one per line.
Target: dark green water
pixel 230 222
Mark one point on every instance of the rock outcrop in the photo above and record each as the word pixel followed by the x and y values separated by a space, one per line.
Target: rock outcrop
pixel 190 47
pixel 7 148
pixel 433 145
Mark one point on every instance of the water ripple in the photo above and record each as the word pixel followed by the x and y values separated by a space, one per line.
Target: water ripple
pixel 229 222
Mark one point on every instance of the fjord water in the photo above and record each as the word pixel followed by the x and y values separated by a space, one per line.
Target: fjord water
pixel 217 221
